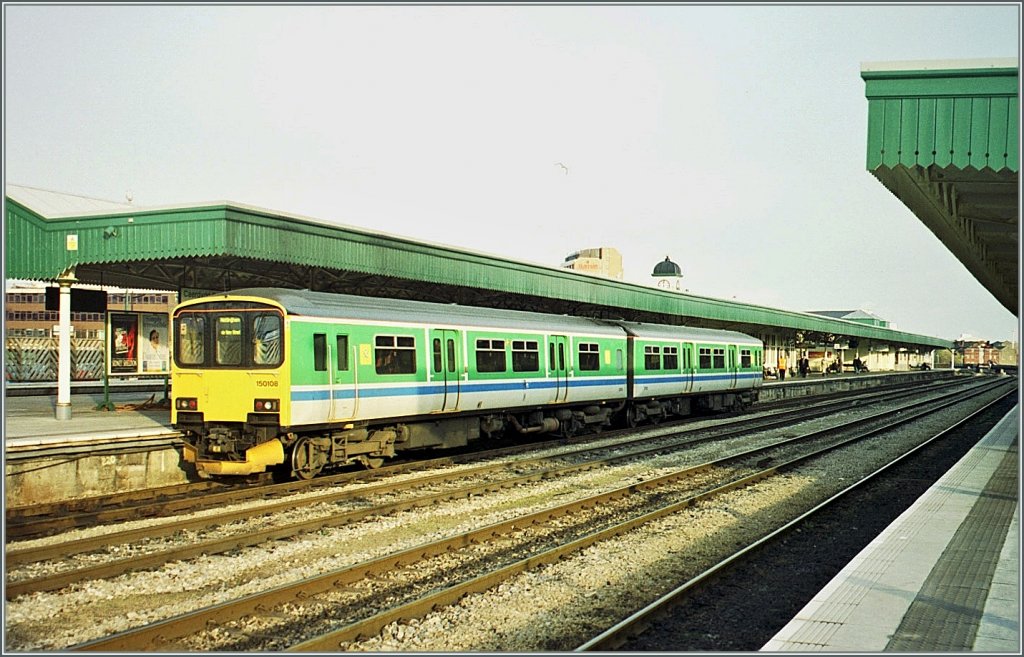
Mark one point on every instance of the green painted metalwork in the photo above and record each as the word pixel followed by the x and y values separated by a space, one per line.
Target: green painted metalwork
pixel 944 138
pixel 949 118
pixel 37 249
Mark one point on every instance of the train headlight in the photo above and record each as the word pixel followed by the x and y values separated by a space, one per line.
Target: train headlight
pixel 186 404
pixel 266 405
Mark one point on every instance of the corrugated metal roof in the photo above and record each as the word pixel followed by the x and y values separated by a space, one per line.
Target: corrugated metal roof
pixel 242 243
pixel 944 137
pixel 322 304
pixel 56 204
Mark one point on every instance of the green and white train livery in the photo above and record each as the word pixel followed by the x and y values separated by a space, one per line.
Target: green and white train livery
pixel 306 380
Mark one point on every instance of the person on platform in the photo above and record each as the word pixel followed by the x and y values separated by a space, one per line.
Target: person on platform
pixel 782 366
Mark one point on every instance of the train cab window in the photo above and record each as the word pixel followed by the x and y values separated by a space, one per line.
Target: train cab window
pixel 525 356
pixel 342 345
pixel 718 359
pixel 190 343
pixel 320 352
pixel 490 356
pixel 745 361
pixel 652 357
pixel 266 339
pixel 589 357
pixel 229 340
pixel 705 358
pixel 671 358
pixel 395 354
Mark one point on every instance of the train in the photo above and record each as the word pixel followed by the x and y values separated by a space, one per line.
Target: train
pixel 298 381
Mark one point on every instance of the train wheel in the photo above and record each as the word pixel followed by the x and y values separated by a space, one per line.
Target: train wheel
pixel 371 463
pixel 632 417
pixel 307 459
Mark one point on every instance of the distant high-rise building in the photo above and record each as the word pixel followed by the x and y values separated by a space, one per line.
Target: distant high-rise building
pixel 604 261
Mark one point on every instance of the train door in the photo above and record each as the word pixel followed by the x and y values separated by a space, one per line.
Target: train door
pixel 558 365
pixel 733 364
pixel 341 375
pixel 446 352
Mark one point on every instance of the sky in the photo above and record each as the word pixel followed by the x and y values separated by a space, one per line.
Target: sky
pixel 729 138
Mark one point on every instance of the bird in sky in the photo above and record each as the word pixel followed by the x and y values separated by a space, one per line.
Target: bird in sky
pixel 559 164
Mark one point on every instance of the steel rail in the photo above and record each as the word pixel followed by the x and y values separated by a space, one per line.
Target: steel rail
pixel 26 521
pixel 154 636
pixel 634 625
pixel 215 546
pixel 336 639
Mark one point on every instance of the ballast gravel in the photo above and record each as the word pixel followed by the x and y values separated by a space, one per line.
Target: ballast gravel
pixel 554 607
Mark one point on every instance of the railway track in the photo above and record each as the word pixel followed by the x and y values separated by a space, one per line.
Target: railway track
pixel 624 635
pixel 112 553
pixel 48 519
pixel 273 614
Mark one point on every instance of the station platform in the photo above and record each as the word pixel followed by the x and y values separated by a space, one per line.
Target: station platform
pixel 96 452
pixel 943 577
pixel 30 421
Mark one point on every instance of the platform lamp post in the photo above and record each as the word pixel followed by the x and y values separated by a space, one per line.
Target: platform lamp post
pixel 65 281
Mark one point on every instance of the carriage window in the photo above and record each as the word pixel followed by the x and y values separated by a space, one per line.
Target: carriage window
pixel 745 361
pixel 525 356
pixel 320 352
pixel 652 357
pixel 705 358
pixel 229 340
pixel 671 358
pixel 590 359
pixel 490 356
pixel 395 354
pixel 437 354
pixel 719 357
pixel 191 331
pixel 342 344
pixel 266 339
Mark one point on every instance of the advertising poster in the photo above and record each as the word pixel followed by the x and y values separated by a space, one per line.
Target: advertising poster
pixel 124 333
pixel 156 355
pixel 139 343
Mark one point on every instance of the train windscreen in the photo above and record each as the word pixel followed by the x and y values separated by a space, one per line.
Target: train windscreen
pixel 228 335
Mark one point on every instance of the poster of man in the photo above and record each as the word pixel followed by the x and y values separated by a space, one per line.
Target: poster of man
pixel 123 342
pixel 156 355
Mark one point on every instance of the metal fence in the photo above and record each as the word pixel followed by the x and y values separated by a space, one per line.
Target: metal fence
pixel 35 359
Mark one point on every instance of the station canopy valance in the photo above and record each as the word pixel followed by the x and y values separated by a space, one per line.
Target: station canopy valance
pixel 222 246
pixel 944 138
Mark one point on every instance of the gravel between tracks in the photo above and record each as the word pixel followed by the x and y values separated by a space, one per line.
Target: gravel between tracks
pixel 552 608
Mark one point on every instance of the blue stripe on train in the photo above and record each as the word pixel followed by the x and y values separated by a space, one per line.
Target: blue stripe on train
pixel 323 394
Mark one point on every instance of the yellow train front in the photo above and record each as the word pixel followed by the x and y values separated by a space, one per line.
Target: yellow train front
pixel 230 381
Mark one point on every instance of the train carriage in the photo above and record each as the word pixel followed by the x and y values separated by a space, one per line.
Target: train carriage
pixel 271 377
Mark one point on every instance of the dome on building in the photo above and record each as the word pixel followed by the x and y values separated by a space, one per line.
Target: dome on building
pixel 667 268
